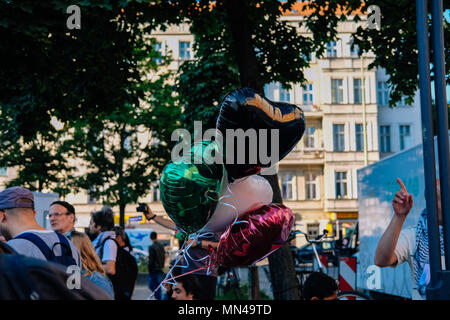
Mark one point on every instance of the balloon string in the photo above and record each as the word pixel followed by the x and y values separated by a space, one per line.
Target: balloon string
pixel 183 254
pixel 173 278
pixel 180 256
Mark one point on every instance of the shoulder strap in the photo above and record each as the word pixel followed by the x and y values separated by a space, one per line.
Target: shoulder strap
pixel 65 241
pixel 5 248
pixel 38 242
pixel 103 245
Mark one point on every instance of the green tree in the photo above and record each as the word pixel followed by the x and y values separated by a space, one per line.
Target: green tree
pixel 50 72
pixel 125 149
pixel 92 80
pixel 394 44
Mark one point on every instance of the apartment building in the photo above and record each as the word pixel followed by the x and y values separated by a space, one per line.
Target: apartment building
pixel 318 178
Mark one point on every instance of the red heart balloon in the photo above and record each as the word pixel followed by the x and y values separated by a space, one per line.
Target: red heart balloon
pixel 255 235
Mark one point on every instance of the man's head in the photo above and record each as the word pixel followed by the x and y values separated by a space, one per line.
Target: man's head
pixel 102 220
pixel 121 236
pixel 186 288
pixel 319 286
pixel 62 216
pixel 153 236
pixel 16 210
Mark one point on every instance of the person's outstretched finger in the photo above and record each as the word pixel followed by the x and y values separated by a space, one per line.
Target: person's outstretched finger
pixel 402 186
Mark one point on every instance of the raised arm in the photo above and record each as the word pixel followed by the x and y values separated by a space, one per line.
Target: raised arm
pixel 402 204
pixel 169 224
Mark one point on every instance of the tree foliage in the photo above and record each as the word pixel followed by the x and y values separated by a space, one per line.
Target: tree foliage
pixel 394 44
pixel 97 82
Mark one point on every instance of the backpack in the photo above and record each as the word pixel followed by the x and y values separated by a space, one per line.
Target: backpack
pixel 66 259
pixel 5 248
pixel 155 264
pixel 126 272
pixel 26 278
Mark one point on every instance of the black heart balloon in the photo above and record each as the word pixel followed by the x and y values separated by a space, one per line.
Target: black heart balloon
pixel 245 114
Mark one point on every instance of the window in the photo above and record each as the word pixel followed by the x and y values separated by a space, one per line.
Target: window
pixel 359 135
pixel 357 92
pixel 91 199
pixel 405 136
pixel 3 171
pixel 337 91
pixel 158 48
pixel 311 186
pixel 341 184
pixel 354 52
pixel 382 93
pixel 308 94
pixel 155 194
pixel 338 137
pixel 285 95
pixel 185 50
pixel 309 137
pixel 287 186
pixel 385 138
pixel 331 49
pixel 403 102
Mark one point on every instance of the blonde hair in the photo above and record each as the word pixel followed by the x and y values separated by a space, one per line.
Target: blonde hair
pixel 89 259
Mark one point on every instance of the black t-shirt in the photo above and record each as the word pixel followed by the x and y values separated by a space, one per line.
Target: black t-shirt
pixel 156 256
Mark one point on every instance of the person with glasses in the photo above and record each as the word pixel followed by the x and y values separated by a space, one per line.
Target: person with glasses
pixel 19 227
pixel 62 217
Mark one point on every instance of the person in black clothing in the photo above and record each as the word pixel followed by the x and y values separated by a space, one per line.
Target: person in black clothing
pixel 156 257
pixel 319 286
pixel 122 239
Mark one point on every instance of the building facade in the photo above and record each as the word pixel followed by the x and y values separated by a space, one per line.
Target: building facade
pixel 318 178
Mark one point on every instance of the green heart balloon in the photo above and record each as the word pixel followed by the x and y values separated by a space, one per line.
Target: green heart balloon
pixel 190 187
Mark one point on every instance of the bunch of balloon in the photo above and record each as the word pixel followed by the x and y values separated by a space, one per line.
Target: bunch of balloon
pixel 253 227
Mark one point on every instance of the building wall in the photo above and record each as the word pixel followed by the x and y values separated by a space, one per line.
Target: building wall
pixel 400 115
pixel 322 113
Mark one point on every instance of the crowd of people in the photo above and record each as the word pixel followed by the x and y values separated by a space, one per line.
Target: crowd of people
pixel 104 256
